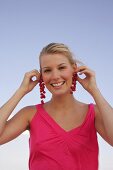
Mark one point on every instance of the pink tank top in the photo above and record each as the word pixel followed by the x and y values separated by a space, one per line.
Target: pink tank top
pixel 53 148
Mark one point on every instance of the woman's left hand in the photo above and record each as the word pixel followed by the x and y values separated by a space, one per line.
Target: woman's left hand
pixel 89 81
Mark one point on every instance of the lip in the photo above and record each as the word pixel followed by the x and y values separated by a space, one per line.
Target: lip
pixel 57 84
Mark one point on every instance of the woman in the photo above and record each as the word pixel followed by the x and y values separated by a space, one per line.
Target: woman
pixel 63 131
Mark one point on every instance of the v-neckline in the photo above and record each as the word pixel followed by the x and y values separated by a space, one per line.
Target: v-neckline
pixel 57 126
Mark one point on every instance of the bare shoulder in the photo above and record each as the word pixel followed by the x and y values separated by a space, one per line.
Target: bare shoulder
pixel 17 124
pixel 29 111
pixel 82 106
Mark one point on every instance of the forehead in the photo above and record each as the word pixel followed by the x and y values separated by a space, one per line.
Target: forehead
pixel 51 59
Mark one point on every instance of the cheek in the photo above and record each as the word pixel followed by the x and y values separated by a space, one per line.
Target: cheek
pixel 68 78
pixel 68 75
pixel 46 78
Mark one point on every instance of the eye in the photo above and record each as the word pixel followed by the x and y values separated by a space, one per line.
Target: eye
pixel 47 70
pixel 62 67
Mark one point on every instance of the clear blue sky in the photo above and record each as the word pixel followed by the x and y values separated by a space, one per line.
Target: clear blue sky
pixel 86 26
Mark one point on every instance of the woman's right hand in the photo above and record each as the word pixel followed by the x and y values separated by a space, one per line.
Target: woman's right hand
pixel 28 83
pixel 9 129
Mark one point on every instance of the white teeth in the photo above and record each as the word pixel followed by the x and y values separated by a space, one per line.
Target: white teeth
pixel 57 84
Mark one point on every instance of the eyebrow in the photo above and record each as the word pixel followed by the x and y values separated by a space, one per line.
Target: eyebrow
pixel 50 67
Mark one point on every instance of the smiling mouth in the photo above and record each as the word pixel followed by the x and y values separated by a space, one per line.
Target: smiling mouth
pixel 58 84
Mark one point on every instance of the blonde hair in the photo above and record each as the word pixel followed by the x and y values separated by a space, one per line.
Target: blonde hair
pixel 58 48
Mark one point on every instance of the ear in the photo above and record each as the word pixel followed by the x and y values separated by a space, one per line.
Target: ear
pixel 74 67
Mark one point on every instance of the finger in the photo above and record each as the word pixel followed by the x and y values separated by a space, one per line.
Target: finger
pixel 80 68
pixel 34 78
pixel 85 70
pixel 33 73
pixel 79 79
pixel 35 70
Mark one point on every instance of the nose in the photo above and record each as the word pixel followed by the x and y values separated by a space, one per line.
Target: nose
pixel 55 75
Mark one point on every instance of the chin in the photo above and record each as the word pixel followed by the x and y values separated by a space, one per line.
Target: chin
pixel 59 94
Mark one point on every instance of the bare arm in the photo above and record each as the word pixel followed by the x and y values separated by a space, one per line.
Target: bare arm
pixel 17 124
pixel 9 129
pixel 104 117
pixel 104 112
pixel 8 107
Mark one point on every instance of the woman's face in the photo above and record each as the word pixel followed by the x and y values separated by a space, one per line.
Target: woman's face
pixel 57 73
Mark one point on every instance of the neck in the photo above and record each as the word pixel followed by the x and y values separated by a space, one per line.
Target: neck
pixel 63 101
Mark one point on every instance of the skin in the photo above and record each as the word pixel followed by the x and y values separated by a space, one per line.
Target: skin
pixel 63 107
